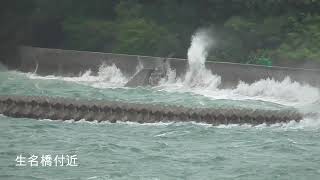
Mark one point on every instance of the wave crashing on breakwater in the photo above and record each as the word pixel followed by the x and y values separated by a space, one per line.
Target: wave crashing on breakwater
pixel 199 80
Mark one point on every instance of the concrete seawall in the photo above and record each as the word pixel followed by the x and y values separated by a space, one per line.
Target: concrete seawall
pixel 71 63
pixel 66 109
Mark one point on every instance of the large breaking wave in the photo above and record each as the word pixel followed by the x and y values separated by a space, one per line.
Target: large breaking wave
pixel 200 80
pixel 107 76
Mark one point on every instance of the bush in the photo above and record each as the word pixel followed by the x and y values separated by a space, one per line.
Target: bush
pixel 88 34
pixel 139 36
pixel 302 43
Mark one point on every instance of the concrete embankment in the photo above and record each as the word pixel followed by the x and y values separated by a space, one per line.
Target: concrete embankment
pixel 71 63
pixel 66 109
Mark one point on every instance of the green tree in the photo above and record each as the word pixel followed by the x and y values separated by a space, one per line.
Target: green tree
pixel 138 36
pixel 15 16
pixel 285 31
pixel 88 34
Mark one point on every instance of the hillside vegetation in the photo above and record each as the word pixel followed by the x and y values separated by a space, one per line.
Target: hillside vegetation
pixel 278 32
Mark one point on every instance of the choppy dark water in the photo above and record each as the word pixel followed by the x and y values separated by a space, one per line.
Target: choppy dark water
pixel 161 151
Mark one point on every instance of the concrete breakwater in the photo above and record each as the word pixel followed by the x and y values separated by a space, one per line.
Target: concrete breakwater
pixel 65 109
pixel 70 63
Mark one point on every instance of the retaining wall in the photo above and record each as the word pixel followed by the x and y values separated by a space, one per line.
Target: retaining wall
pixel 69 62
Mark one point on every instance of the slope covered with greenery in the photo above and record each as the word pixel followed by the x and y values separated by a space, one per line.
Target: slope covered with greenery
pixel 282 32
